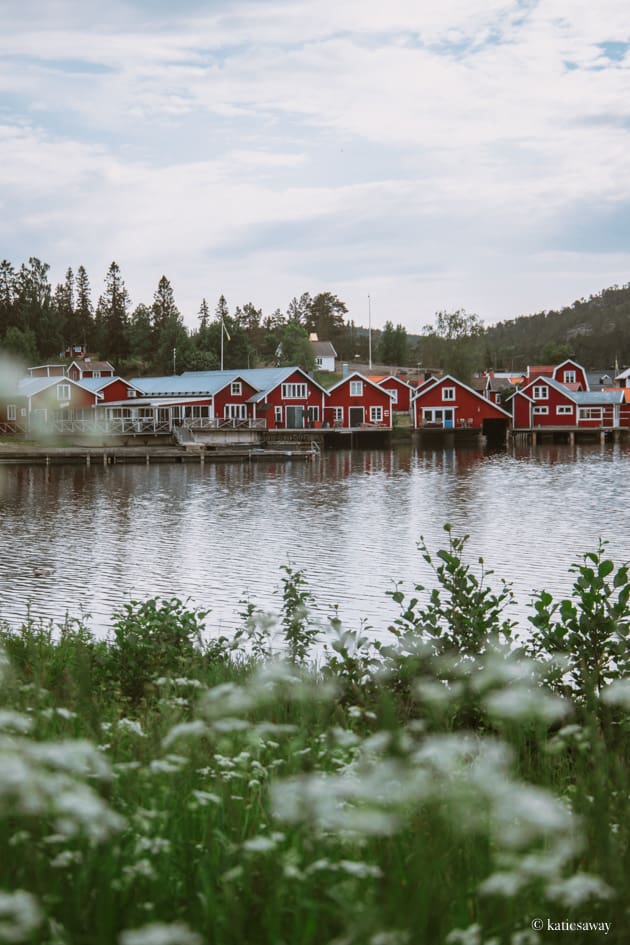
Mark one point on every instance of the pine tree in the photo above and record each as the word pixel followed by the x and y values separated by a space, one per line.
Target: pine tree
pixel 112 316
pixel 84 310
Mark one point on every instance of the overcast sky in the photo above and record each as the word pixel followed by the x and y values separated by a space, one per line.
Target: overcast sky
pixel 435 154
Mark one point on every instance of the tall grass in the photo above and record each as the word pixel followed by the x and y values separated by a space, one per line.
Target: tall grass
pixel 457 784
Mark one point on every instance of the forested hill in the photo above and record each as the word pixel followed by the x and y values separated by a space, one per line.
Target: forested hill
pixel 595 331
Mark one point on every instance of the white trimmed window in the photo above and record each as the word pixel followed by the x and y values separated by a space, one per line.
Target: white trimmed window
pixel 394 394
pixel 278 414
pixel 590 413
pixel 431 415
pixel 376 414
pixel 356 388
pixel 236 388
pixel 319 362
pixel 541 411
pixel 313 414
pixel 541 392
pixel 63 392
pixel 448 393
pixel 563 410
pixel 337 414
pixel 294 392
pixel 96 373
pixel 131 392
pixel 11 412
pixel 570 377
pixel 235 411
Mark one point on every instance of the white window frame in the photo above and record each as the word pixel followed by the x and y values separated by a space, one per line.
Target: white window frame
pixel 294 391
pixel 541 411
pixel 541 392
pixel 11 412
pixel 63 392
pixel 319 362
pixel 570 377
pixel 277 415
pixel 356 388
pixel 313 414
pixel 96 373
pixel 235 412
pixel 591 413
pixel 448 393
pixel 376 413
pixel 236 388
pixel 563 410
pixel 131 392
pixel 394 394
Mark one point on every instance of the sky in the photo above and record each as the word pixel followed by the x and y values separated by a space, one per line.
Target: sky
pixel 430 155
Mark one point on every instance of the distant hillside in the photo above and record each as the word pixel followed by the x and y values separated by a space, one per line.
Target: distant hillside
pixel 596 331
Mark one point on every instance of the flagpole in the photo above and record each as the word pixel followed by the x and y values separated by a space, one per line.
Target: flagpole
pixel 222 330
pixel 370 330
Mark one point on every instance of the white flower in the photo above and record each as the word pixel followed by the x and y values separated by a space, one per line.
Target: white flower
pixel 578 889
pixel 617 693
pixel 20 915
pixel 469 936
pixel 131 726
pixel 11 721
pixel 194 729
pixel 502 883
pixel 359 869
pixel 206 797
pixel 158 933
pixel 521 702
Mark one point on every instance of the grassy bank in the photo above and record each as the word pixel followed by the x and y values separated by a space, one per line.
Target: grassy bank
pixel 455 785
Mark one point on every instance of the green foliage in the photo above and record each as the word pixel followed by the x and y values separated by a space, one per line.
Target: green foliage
pixel 295 348
pixel 393 344
pixel 587 635
pixel 299 632
pixel 152 639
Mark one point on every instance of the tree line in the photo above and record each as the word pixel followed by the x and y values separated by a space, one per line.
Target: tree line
pixel 39 321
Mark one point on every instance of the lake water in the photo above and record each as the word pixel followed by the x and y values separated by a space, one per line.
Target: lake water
pixel 76 539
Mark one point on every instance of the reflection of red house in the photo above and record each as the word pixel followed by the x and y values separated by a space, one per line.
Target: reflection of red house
pixel 356 401
pixel 448 404
pixel 401 392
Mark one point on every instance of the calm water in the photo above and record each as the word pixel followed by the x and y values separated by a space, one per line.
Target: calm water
pixel 351 520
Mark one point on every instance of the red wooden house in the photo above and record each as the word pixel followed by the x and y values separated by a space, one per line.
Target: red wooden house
pixel 40 402
pixel 401 391
pixel 548 403
pixel 287 398
pixel 81 369
pixel 232 401
pixel 572 375
pixel 448 404
pixel 356 401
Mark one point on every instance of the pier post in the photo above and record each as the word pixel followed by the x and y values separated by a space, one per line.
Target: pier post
pixel 572 438
pixel 602 436
pixel 147 459
pixel 533 438
pixel 87 459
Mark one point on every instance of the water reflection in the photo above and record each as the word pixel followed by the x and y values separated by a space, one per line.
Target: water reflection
pixel 75 537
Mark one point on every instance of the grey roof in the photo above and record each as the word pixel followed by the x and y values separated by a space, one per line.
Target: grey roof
pixel 198 383
pixel 599 379
pixel 623 375
pixel 97 383
pixel 28 386
pixel 323 349
pixel 597 397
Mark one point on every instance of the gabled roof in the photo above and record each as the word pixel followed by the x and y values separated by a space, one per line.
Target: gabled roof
pixel 83 365
pixel 448 378
pixel 355 375
pixel 623 375
pixel 208 383
pixel 584 397
pixel 267 379
pixel 380 380
pixel 29 386
pixel 96 384
pixel 323 349
pixel 40 367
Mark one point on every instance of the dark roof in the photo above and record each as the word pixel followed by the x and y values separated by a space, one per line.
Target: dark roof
pixel 323 349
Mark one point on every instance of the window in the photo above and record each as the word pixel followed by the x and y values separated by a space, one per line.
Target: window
pixel 337 414
pixel 63 392
pixel 319 362
pixel 448 393
pixel 236 411
pixel 278 414
pixel 294 392
pixel 11 412
pixel 313 414
pixel 541 410
pixel 356 388
pixel 236 388
pixel 570 377
pixel 564 409
pixel 429 415
pixel 131 392
pixel 394 394
pixel 590 413
pixel 541 392
pixel 96 373
pixel 376 414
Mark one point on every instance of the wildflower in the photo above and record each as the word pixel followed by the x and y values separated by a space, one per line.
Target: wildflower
pixel 194 729
pixel 521 702
pixel 578 889
pixel 469 936
pixel 152 845
pixel 360 870
pixel 140 869
pixel 131 726
pixel 11 721
pixel 159 933
pixel 503 883
pixel 259 845
pixel 66 858
pixel 204 798
pixel 169 765
pixel 390 937
pixel 20 915
pixel 617 693
pixel 230 875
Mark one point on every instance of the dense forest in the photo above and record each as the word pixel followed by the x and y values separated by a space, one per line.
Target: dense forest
pixel 39 321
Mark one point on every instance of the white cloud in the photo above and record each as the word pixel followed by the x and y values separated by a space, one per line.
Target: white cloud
pixel 348 145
